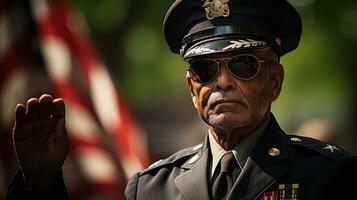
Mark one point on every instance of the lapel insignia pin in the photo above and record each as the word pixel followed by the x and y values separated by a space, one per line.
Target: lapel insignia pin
pixel 216 8
pixel 295 139
pixel 193 159
pixel 197 147
pixel 331 148
pixel 155 163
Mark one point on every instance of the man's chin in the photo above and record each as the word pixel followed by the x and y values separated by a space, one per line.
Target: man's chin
pixel 228 120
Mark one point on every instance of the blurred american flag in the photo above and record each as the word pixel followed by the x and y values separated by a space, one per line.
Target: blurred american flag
pixel 46 48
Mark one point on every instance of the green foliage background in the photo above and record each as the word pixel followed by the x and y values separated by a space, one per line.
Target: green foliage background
pixel 319 80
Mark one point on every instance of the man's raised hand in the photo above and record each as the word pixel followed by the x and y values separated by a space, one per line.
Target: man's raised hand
pixel 40 140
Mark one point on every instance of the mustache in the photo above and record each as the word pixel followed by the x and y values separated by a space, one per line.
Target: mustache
pixel 225 96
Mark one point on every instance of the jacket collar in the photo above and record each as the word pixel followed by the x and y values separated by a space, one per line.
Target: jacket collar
pixel 260 171
pixel 193 183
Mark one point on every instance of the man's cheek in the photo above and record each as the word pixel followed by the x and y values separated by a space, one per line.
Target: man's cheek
pixel 205 96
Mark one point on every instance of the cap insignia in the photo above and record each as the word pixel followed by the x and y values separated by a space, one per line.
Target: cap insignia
pixel 244 44
pixel 216 8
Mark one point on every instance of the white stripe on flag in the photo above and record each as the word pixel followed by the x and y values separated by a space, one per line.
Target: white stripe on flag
pixel 80 123
pixel 57 57
pixel 104 98
pixel 97 165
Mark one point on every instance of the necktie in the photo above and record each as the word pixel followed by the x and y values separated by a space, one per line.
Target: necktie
pixel 224 182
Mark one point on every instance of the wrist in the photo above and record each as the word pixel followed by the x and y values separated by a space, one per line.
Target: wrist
pixel 41 180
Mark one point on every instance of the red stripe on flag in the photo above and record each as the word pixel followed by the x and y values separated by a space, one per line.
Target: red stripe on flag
pixel 56 23
pixel 132 144
pixel 66 90
pixel 83 49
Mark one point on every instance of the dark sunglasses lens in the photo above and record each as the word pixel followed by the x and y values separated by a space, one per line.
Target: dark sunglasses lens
pixel 244 66
pixel 204 70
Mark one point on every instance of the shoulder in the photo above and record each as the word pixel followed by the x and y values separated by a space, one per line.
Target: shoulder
pixel 328 151
pixel 334 168
pixel 157 173
pixel 305 149
pixel 175 160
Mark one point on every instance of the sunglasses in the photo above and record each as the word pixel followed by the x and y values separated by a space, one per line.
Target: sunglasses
pixel 243 67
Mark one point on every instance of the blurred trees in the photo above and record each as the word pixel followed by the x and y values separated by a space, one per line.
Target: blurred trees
pixel 319 81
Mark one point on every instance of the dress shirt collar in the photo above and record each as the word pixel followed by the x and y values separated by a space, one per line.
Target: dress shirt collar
pixel 240 151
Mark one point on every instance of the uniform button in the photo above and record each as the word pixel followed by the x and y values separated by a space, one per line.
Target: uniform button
pixel 193 159
pixel 295 139
pixel 274 152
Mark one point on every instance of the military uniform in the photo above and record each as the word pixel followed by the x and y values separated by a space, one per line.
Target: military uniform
pixel 280 167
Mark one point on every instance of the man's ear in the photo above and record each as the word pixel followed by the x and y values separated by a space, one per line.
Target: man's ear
pixel 277 78
pixel 192 92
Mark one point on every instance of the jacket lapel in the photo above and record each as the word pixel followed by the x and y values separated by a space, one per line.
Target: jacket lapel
pixel 259 173
pixel 261 169
pixel 193 183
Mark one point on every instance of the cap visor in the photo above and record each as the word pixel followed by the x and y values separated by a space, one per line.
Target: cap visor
pixel 222 45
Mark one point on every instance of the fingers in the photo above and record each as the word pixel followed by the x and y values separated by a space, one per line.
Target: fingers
pixel 45 106
pixel 60 129
pixel 20 115
pixel 32 110
pixel 58 108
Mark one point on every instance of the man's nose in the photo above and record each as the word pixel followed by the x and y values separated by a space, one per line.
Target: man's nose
pixel 225 79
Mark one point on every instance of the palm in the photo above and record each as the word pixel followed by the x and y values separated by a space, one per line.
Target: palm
pixel 40 137
pixel 39 151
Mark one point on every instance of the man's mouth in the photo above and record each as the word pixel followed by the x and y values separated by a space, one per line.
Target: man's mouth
pixel 223 101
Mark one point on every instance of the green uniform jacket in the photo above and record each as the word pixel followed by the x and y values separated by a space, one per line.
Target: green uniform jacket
pixel 303 169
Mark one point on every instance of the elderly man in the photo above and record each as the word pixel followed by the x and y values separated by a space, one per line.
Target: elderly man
pixel 233 48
